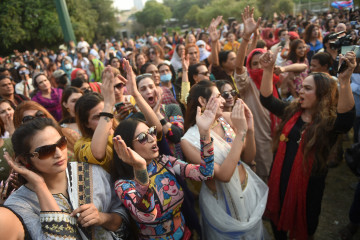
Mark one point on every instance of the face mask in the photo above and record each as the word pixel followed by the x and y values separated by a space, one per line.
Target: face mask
pixel 166 77
pixel 24 72
pixel 282 39
pixel 68 66
pixel 16 64
pixel 62 54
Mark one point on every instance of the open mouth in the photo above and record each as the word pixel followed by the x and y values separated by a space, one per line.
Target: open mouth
pixel 155 148
pixel 151 100
pixel 301 100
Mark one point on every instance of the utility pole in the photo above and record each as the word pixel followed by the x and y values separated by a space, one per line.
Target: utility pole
pixel 65 22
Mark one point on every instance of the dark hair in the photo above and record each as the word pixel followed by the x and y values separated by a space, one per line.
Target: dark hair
pixel 281 31
pixel 23 135
pixel 323 119
pixel 327 27
pixel 292 53
pixel 201 89
pixel 260 44
pixel 324 58
pixel 144 67
pixel 77 82
pixel 223 57
pixel 5 77
pixel 82 109
pixel 62 80
pixel 308 32
pixel 34 82
pixel 67 118
pixel 193 70
pixel 172 70
pixel 221 83
pixel 126 129
pixel 2 128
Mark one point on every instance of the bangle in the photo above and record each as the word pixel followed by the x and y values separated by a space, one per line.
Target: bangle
pixel 106 114
pixel 246 39
pixel 163 122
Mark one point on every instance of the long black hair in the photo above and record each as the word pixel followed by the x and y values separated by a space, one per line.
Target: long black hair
pixel 126 129
pixel 201 89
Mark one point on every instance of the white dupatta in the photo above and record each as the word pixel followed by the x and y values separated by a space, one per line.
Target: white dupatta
pixel 231 213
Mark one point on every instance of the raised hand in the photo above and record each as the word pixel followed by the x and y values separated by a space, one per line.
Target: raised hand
pixel 238 118
pixel 34 179
pixel 250 26
pixel 249 117
pixel 214 35
pixel 128 155
pixel 350 59
pixel 131 79
pixel 107 87
pixel 268 59
pixel 207 118
pixel 158 92
pixel 185 61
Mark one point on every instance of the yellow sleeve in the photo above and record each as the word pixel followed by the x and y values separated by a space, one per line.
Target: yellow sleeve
pixel 185 88
pixel 82 152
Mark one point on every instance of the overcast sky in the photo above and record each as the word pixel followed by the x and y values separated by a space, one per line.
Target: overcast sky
pixel 126 4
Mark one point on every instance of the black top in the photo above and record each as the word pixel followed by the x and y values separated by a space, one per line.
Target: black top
pixel 343 123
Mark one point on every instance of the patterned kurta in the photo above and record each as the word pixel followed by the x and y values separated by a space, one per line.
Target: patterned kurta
pixel 156 207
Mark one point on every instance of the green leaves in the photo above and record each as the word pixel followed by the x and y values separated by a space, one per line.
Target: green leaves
pixel 29 24
pixel 153 14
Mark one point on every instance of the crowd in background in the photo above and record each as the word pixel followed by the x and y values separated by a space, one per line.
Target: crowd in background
pixel 109 140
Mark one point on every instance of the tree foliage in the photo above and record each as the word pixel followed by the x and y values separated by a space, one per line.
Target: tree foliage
pixel 225 8
pixel 29 24
pixel 153 14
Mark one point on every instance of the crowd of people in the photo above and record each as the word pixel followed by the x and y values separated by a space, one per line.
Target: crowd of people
pixel 118 140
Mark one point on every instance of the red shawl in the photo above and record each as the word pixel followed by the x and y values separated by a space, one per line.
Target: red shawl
pixel 292 215
pixel 256 76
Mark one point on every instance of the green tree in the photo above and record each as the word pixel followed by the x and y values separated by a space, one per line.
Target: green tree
pixel 225 8
pixel 153 14
pixel 269 7
pixel 107 23
pixel 29 24
pixel 191 15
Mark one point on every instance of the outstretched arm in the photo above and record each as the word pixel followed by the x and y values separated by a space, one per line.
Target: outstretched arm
pixel 250 26
pixel 346 99
pixel 214 35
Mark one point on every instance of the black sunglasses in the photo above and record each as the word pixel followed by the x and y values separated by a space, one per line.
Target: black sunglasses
pixel 38 114
pixel 227 94
pixel 47 151
pixel 144 136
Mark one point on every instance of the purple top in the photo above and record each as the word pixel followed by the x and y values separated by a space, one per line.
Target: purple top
pixel 53 105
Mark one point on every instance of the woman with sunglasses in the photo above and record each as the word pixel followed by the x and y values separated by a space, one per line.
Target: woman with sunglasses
pixel 147 184
pixel 30 110
pixel 169 115
pixel 94 116
pixel 47 96
pixel 228 92
pixel 232 204
pixel 53 203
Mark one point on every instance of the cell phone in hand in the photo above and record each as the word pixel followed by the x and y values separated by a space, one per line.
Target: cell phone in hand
pixel 119 105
